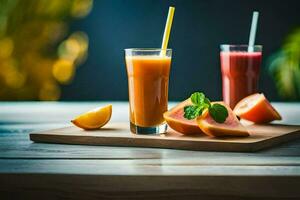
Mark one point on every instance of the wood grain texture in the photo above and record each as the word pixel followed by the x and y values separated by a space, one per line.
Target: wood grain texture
pixel 261 136
pixel 155 167
pixel 74 187
pixel 58 171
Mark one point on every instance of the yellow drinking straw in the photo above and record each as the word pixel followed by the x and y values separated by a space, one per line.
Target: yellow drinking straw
pixel 168 27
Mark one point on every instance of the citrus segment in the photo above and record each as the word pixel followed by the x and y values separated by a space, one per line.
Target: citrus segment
pixel 231 126
pixel 175 119
pixel 256 108
pixel 93 119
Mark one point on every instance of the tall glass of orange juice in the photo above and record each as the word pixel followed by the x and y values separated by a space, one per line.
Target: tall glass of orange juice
pixel 148 73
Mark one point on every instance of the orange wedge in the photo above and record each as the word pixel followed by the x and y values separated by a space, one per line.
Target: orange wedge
pixel 93 119
pixel 256 108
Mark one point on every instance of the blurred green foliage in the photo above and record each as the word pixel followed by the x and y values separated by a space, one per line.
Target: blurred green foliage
pixel 37 52
pixel 285 67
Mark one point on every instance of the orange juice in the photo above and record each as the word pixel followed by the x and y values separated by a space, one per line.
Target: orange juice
pixel 148 79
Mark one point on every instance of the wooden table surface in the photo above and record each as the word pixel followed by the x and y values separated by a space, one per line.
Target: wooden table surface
pixel 53 171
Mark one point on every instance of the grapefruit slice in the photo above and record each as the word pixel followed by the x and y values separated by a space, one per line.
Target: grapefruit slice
pixel 256 108
pixel 93 119
pixel 175 119
pixel 231 126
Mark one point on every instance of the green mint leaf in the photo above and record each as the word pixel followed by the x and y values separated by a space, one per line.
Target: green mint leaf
pixel 218 112
pixel 200 110
pixel 207 101
pixel 197 98
pixel 191 112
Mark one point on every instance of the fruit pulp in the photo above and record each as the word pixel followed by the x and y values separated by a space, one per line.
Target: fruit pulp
pixel 93 119
pixel 231 126
pixel 148 79
pixel 175 119
pixel 256 108
pixel 240 74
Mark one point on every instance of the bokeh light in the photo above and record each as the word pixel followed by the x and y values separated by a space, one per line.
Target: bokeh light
pixel 284 66
pixel 37 53
pixel 63 70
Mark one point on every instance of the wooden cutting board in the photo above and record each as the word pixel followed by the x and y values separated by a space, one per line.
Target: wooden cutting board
pixel 262 136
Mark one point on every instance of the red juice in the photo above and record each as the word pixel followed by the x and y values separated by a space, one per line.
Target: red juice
pixel 240 74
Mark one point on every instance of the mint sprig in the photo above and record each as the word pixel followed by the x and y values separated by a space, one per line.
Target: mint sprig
pixel 217 111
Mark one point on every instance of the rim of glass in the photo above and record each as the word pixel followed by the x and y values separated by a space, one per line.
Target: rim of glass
pixel 240 45
pixel 146 49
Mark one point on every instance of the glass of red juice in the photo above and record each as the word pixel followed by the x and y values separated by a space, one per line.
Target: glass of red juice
pixel 240 66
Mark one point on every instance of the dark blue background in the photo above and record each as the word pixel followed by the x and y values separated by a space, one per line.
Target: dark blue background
pixel 199 28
